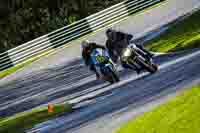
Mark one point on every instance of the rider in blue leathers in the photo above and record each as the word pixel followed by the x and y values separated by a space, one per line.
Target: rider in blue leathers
pixel 87 48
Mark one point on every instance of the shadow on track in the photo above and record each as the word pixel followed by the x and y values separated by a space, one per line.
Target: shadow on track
pixel 133 93
pixel 68 80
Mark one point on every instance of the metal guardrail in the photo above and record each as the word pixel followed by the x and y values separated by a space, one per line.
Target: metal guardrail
pixel 75 30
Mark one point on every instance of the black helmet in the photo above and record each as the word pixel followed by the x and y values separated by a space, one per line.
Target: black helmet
pixel 108 31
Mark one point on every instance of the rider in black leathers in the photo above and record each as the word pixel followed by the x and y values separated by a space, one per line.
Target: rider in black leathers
pixel 87 48
pixel 117 41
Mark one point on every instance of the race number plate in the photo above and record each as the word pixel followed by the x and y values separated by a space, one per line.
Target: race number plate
pixel 100 59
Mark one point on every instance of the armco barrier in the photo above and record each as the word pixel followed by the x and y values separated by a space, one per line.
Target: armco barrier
pixel 75 30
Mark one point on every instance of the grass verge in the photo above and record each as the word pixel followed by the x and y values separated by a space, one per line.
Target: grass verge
pixel 180 115
pixel 13 69
pixel 22 121
pixel 181 36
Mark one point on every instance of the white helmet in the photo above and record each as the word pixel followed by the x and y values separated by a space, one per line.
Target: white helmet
pixel 85 44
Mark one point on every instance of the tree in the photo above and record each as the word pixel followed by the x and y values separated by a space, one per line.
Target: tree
pixel 4 8
pixel 24 20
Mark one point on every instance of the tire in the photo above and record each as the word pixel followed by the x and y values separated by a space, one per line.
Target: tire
pixel 152 68
pixel 113 77
pixel 155 67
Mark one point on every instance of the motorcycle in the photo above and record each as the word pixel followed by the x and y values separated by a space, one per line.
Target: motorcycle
pixel 104 65
pixel 135 58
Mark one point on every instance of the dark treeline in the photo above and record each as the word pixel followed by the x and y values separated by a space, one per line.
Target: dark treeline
pixel 24 20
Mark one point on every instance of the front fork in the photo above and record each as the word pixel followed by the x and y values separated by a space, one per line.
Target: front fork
pixel 134 64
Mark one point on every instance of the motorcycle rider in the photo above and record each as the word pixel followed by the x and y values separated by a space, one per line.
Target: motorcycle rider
pixel 117 41
pixel 87 48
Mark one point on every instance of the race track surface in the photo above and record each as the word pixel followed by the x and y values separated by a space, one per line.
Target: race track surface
pixel 178 72
pixel 57 79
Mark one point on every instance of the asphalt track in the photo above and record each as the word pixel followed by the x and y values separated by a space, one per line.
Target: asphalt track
pixel 70 79
pixel 177 72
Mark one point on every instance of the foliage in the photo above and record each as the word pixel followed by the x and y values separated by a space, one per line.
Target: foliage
pixel 24 20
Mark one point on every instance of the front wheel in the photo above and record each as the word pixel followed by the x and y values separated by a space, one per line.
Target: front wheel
pixel 151 67
pixel 115 77
pixel 112 76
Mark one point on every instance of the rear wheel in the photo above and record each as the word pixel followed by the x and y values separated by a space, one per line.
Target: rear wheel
pixel 155 67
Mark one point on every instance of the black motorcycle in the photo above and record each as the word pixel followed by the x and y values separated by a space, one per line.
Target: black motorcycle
pixel 135 58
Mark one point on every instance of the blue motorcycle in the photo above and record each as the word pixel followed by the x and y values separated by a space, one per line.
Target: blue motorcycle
pixel 104 65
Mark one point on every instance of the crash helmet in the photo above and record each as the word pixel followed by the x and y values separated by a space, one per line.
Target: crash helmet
pixel 109 32
pixel 85 44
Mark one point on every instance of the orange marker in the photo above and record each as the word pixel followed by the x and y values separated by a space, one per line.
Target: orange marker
pixel 50 108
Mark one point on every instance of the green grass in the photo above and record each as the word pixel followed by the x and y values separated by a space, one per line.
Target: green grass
pixel 180 115
pixel 181 36
pixel 19 122
pixel 13 69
